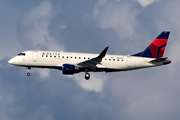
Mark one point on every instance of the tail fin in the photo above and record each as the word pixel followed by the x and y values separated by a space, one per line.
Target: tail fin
pixel 156 48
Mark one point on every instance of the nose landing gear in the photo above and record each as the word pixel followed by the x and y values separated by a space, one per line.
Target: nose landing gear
pixel 29 70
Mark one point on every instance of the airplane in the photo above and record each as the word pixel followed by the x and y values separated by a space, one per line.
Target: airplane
pixel 71 63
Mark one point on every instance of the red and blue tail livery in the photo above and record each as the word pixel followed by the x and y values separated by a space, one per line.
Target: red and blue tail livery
pixel 156 48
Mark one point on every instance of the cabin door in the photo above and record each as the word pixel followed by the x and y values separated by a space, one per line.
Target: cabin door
pixel 35 56
pixel 128 61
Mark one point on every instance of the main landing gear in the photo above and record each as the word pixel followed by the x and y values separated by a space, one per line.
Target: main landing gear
pixel 87 76
pixel 29 70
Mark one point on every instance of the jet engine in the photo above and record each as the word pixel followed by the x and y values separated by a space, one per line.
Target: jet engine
pixel 69 69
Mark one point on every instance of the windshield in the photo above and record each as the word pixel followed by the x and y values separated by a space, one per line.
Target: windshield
pixel 21 54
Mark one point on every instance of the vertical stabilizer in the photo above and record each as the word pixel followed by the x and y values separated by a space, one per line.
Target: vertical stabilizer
pixel 156 48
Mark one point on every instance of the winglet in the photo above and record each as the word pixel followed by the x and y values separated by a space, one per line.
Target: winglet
pixel 91 63
pixel 103 53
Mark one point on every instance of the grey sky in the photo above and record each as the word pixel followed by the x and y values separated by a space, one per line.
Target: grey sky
pixel 126 26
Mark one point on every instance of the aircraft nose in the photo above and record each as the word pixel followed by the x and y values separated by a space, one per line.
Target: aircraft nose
pixel 11 61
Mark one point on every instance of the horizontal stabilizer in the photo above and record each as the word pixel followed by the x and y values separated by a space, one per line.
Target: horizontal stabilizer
pixel 158 60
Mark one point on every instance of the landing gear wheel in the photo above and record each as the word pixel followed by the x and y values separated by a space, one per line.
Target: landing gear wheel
pixel 87 76
pixel 29 70
pixel 28 74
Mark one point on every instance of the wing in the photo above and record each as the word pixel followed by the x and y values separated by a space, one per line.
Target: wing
pixel 91 63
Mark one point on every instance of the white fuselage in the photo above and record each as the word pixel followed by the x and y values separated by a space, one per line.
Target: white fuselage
pixel 71 63
pixel 52 59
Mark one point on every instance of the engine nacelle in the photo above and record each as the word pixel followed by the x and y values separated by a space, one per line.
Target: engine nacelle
pixel 69 69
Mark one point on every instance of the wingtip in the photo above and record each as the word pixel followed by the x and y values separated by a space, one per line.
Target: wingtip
pixel 103 53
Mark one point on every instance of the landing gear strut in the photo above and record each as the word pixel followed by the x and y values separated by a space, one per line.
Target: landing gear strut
pixel 87 76
pixel 29 69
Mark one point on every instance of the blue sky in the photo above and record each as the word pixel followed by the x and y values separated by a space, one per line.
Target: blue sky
pixel 126 26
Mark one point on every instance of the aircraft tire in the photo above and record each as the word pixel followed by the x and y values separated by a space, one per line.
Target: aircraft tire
pixel 28 74
pixel 87 76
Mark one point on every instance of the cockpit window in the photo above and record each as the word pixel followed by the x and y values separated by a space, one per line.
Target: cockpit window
pixel 21 54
